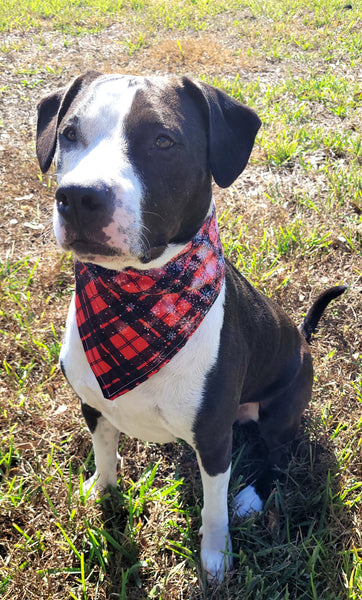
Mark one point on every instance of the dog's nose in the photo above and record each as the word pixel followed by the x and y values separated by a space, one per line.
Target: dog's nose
pixel 80 206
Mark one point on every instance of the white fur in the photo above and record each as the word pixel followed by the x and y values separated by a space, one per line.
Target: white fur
pixel 105 443
pixel 247 502
pixel 99 156
pixel 216 542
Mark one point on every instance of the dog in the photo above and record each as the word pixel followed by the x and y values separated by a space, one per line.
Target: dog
pixel 164 338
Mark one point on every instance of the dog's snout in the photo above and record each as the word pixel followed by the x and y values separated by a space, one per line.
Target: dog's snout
pixel 80 205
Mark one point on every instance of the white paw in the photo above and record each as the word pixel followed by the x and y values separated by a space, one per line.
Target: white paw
pixel 247 502
pixel 216 556
pixel 95 486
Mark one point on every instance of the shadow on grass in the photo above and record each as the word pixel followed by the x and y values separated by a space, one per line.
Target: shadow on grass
pixel 124 568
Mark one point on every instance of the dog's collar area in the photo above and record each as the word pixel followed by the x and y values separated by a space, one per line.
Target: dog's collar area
pixel 133 322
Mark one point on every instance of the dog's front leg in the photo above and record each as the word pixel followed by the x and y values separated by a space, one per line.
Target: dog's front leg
pixel 105 444
pixel 216 543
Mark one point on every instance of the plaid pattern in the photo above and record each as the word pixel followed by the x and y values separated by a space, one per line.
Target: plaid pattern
pixel 133 322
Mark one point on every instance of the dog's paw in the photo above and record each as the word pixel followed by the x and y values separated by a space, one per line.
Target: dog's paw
pixel 247 502
pixel 216 556
pixel 95 486
pixel 90 488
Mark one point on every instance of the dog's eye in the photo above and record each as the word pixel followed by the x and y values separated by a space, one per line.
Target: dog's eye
pixel 163 142
pixel 70 134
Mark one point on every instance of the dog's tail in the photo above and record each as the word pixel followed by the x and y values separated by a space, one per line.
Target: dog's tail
pixel 310 321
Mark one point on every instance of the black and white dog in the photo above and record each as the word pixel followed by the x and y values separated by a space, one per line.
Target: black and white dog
pixel 164 338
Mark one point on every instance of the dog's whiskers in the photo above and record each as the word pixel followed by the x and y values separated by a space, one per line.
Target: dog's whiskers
pixel 146 246
pixel 149 212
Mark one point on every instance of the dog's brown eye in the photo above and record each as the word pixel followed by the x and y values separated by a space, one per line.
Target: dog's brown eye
pixel 70 134
pixel 163 142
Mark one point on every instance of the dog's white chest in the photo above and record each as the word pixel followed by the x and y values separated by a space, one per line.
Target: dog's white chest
pixel 165 406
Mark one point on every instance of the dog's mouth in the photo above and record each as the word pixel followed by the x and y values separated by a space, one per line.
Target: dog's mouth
pixel 82 247
pixel 88 251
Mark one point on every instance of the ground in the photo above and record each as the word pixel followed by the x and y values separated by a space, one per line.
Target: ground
pixel 292 225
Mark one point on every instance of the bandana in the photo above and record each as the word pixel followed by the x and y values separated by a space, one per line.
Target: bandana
pixel 133 322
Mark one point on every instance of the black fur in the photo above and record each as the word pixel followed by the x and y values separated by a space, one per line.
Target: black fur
pixel 311 319
pixel 91 416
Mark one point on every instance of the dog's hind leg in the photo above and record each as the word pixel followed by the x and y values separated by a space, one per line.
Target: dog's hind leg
pixel 105 444
pixel 279 422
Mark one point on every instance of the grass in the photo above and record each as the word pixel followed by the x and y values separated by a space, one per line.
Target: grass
pixel 292 224
pixel 89 17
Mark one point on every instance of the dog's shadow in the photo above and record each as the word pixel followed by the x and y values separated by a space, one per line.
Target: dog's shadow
pixel 298 535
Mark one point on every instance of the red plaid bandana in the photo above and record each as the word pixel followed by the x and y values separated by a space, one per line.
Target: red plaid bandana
pixel 133 322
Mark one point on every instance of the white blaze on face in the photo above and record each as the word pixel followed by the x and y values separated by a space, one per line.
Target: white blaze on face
pixel 99 158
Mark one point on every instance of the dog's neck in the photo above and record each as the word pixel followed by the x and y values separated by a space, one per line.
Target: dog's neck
pixel 133 322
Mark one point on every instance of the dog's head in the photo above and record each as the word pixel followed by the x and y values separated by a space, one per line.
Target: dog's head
pixel 134 157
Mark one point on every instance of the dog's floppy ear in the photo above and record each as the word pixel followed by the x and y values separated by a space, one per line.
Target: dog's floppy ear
pixel 51 110
pixel 232 128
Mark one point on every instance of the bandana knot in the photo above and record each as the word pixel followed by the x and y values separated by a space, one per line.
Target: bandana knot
pixel 132 322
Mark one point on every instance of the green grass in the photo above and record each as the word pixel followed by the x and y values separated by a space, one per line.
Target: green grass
pixel 25 327
pixel 291 224
pixel 78 18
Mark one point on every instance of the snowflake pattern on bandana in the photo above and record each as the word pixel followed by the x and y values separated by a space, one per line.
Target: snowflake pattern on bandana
pixel 133 322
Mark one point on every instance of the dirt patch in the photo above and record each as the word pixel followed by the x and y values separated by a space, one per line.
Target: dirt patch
pixel 196 55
